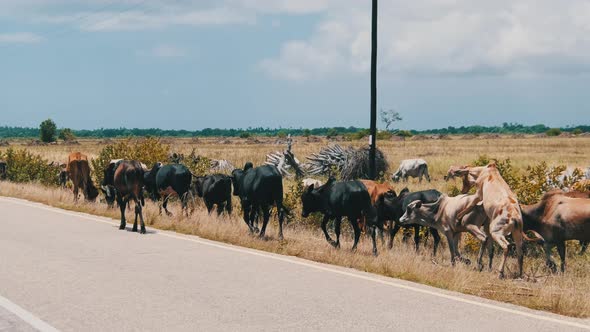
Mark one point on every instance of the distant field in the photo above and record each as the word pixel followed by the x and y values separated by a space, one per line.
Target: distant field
pixel 565 294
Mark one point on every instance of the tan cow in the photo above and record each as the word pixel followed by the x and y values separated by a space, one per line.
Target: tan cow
pixel 442 215
pixel 375 190
pixel 501 207
pixel 559 217
pixel 468 175
pixel 78 171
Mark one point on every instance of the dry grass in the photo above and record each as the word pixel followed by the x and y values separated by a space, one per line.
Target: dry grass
pixel 564 294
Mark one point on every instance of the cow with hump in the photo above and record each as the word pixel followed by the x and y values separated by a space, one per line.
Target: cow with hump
pixel 215 189
pixel 559 217
pixel 416 168
pixel 166 181
pixel 123 182
pixel 501 207
pixel 259 189
pixel 78 171
pixel 342 199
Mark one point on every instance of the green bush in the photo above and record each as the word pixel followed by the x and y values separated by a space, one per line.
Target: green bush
pixel 553 132
pixel 66 134
pixel 198 165
pixel 384 135
pixel 332 132
pixel 577 131
pixel 24 166
pixel 146 150
pixel 404 133
pixel 306 133
pixel 245 134
pixel 47 131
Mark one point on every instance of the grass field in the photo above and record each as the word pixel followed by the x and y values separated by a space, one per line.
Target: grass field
pixel 564 294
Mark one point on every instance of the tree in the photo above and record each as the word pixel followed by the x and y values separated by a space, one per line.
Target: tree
pixel 306 132
pixel 66 134
pixel 47 131
pixel 389 117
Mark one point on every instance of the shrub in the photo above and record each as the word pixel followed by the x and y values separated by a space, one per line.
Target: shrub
pixel 245 134
pixel 146 150
pixel 332 132
pixel 306 133
pixel 66 134
pixel 198 165
pixel 404 133
pixel 281 134
pixel 23 166
pixel 577 131
pixel 553 132
pixel 384 135
pixel 47 131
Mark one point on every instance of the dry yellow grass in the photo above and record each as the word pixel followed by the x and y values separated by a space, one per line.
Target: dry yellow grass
pixel 564 294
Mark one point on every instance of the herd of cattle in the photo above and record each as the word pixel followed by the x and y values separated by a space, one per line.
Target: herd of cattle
pixel 490 215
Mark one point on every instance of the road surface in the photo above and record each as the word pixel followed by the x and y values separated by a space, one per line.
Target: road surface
pixel 74 272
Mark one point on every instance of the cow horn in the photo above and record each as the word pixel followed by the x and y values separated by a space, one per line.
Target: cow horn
pixel 538 238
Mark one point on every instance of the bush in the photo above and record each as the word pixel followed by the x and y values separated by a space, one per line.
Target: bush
pixel 404 133
pixel 47 131
pixel 66 134
pixel 332 132
pixel 245 134
pixel 306 133
pixel 384 135
pixel 23 166
pixel 282 134
pixel 198 165
pixel 146 150
pixel 553 132
pixel 577 131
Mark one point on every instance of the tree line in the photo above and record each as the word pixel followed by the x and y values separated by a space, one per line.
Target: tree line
pixel 506 128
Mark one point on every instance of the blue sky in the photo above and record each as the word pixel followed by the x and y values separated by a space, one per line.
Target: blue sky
pixel 194 64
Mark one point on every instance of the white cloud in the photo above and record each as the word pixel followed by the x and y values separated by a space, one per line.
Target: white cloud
pixel 20 38
pixel 443 37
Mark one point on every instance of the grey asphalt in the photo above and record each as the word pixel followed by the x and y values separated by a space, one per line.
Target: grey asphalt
pixel 80 273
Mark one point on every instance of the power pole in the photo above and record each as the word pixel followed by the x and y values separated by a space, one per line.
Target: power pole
pixel 373 140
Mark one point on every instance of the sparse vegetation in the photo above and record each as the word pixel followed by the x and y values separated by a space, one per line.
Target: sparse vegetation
pixel 564 294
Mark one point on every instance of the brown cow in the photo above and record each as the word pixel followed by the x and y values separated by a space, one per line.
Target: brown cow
pixel 376 190
pixel 78 171
pixel 468 175
pixel 559 217
pixel 123 181
pixel 501 207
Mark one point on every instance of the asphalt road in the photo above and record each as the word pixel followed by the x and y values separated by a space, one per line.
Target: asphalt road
pixel 75 272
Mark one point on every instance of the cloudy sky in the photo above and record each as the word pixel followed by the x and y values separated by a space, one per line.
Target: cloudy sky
pixel 193 64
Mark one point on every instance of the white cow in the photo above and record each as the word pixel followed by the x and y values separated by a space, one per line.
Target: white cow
pixel 308 182
pixel 416 168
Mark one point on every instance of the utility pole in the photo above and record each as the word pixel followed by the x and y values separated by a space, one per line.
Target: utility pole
pixel 373 139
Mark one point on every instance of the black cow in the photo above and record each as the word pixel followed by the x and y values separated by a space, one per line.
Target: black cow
pixel 342 199
pixel 215 189
pixel 3 169
pixel 123 181
pixel 391 207
pixel 259 189
pixel 167 181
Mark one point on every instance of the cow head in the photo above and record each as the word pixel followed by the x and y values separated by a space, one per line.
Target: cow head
pixel 92 192
pixel 419 213
pixel 198 185
pixel 397 176
pixel 311 199
pixel 388 204
pixel 237 176
pixel 456 171
pixel 109 194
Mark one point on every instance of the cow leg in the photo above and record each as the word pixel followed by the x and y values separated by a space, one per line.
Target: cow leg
pixel 247 209
pixel 139 211
pixel 228 205
pixel 209 206
pixel 254 215
pixel 451 243
pixel 392 231
pixel 357 233
pixel 165 205
pixel 324 228
pixel 584 245
pixel 266 217
pixel 122 203
pixel 373 230
pixel 220 207
pixel 417 237
pixel 337 225
pixel 501 240
pixel 427 175
pixel 281 213
pixel 561 252
pixel 518 241
pixel 134 229
pixel 436 240
pixel 549 262
pixel 75 192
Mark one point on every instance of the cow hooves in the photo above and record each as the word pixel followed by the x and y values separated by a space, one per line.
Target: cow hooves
pixel 122 227
pixel 142 231
pixel 466 261
pixel 480 267
pixel 134 229
pixel 375 253
pixel 334 244
pixel 501 275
